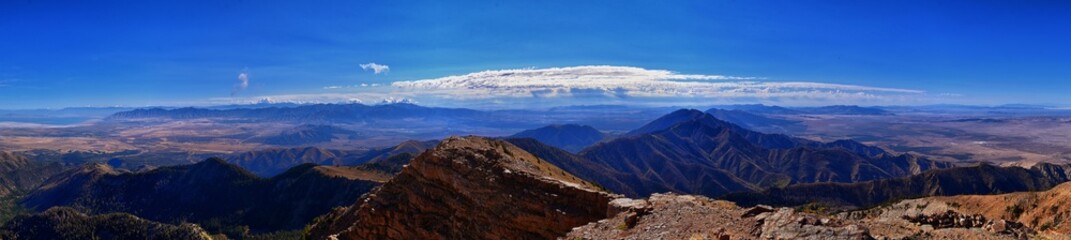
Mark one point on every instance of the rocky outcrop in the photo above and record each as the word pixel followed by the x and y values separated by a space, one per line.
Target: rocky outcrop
pixel 1010 216
pixel 670 216
pixel 953 219
pixel 470 188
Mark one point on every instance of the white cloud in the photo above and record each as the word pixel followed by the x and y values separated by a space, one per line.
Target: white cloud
pixel 361 85
pixel 585 85
pixel 376 68
pixel 627 82
pixel 363 97
pixel 243 82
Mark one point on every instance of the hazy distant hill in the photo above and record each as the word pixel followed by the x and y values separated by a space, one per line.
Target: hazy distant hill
pixel 213 193
pixel 757 122
pixel 844 110
pixel 269 162
pixel 318 113
pixel 759 109
pixel 308 134
pixel 982 179
pixel 832 110
pixel 62 223
pixel 570 137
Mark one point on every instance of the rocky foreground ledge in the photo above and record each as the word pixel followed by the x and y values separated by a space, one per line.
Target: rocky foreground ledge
pixel 669 216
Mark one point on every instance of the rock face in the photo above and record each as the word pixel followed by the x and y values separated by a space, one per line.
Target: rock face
pixel 66 223
pixel 953 219
pixel 669 216
pixel 1014 215
pixel 470 188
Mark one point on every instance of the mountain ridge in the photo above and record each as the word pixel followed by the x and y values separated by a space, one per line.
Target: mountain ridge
pixel 213 192
pixel 518 194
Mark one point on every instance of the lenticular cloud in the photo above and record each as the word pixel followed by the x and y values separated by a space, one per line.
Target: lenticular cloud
pixel 623 82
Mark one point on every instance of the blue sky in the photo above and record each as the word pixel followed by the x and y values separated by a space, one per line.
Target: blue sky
pixel 137 53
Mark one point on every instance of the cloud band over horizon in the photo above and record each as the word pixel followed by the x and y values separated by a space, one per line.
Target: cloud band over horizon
pixel 628 82
pixel 603 84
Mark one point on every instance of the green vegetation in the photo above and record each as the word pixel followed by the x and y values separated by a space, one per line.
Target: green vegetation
pixel 9 208
pixel 1015 210
pixel 815 208
pixel 67 223
pixel 282 235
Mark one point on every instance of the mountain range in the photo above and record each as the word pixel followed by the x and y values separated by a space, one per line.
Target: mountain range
pixel 270 162
pixel 692 152
pixel 823 110
pixel 317 113
pixel 221 197
pixel 981 179
pixel 686 174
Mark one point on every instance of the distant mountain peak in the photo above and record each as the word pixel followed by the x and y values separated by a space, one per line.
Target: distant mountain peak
pixel 570 137
pixel 668 120
pixel 215 167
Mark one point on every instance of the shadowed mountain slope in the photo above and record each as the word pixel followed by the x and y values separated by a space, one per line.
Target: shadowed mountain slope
pixel 213 193
pixel 19 175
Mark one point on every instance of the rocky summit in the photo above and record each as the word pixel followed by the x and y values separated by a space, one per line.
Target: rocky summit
pixel 470 188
